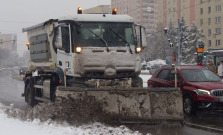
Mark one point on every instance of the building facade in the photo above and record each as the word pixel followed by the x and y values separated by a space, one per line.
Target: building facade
pixel 144 12
pixel 169 11
pixel 209 17
pixel 99 9
pixel 8 42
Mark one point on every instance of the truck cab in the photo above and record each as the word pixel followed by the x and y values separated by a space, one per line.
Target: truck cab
pixel 86 48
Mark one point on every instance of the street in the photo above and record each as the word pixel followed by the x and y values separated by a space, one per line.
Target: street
pixel 11 90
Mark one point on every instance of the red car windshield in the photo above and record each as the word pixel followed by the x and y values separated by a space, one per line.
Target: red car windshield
pixel 200 75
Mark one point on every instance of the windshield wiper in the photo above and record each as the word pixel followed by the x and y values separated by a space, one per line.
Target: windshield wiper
pixel 123 39
pixel 106 44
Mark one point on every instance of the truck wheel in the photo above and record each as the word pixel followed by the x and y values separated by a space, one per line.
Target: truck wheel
pixel 54 84
pixel 189 106
pixel 30 95
pixel 137 82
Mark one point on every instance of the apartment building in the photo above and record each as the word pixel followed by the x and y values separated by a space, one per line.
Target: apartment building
pixel 169 11
pixel 8 42
pixel 144 12
pixel 209 18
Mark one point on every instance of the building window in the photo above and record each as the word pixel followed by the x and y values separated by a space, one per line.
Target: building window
pixel 218 8
pixel 218 31
pixel 209 21
pixel 218 42
pixel 209 10
pixel 201 1
pixel 174 15
pixel 201 21
pixel 201 11
pixel 209 32
pixel 209 43
pixel 174 9
pixel 174 1
pixel 218 19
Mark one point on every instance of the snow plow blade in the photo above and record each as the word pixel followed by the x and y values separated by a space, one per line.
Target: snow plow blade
pixel 131 105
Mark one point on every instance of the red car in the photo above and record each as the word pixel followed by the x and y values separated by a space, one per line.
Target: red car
pixel 201 88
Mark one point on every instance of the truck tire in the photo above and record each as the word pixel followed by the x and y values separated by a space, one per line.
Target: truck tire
pixel 137 82
pixel 189 106
pixel 54 83
pixel 30 94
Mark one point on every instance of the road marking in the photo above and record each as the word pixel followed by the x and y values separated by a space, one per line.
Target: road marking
pixel 203 127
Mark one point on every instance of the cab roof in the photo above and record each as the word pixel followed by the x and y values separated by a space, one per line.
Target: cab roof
pixel 86 18
pixel 98 18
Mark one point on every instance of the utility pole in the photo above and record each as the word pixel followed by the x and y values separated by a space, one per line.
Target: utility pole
pixel 178 43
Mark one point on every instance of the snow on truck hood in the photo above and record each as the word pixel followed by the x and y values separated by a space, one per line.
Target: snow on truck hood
pixel 98 18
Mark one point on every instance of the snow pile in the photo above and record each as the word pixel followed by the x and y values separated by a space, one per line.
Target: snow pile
pixel 11 126
pixel 158 62
pixel 145 78
pixel 73 111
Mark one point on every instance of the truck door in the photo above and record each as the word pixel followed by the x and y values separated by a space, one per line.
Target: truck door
pixel 64 53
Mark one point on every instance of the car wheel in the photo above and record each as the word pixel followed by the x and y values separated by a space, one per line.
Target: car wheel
pixel 137 82
pixel 188 105
pixel 30 95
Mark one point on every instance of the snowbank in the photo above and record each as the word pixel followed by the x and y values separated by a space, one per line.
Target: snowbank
pixel 12 126
pixel 158 61
pixel 145 78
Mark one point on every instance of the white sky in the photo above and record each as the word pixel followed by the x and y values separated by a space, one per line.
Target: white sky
pixel 18 14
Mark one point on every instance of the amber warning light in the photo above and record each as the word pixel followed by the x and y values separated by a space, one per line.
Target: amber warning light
pixel 79 10
pixel 114 11
pixel 27 44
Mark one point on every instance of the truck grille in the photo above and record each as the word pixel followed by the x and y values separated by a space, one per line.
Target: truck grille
pixel 217 93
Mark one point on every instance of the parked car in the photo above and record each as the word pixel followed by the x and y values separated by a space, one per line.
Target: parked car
pixel 155 67
pixel 201 88
pixel 23 70
pixel 144 67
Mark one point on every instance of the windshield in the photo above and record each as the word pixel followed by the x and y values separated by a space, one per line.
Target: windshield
pixel 89 34
pixel 200 75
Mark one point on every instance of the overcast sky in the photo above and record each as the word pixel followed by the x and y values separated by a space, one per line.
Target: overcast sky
pixel 18 14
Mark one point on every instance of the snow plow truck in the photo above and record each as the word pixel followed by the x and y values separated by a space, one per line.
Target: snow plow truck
pixel 97 56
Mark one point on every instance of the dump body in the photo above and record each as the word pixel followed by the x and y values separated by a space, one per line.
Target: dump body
pixel 149 105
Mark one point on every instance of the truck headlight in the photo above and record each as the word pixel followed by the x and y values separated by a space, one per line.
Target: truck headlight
pixel 202 92
pixel 78 49
pixel 138 49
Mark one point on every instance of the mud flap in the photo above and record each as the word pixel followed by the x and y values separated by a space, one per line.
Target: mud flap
pixel 132 105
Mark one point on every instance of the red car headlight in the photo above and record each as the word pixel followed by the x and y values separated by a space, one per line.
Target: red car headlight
pixel 202 92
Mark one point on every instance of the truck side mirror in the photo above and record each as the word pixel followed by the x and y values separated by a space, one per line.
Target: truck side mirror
pixel 141 36
pixel 57 38
pixel 143 41
pixel 62 38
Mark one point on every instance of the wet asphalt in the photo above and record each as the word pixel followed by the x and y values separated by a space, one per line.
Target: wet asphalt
pixel 11 90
